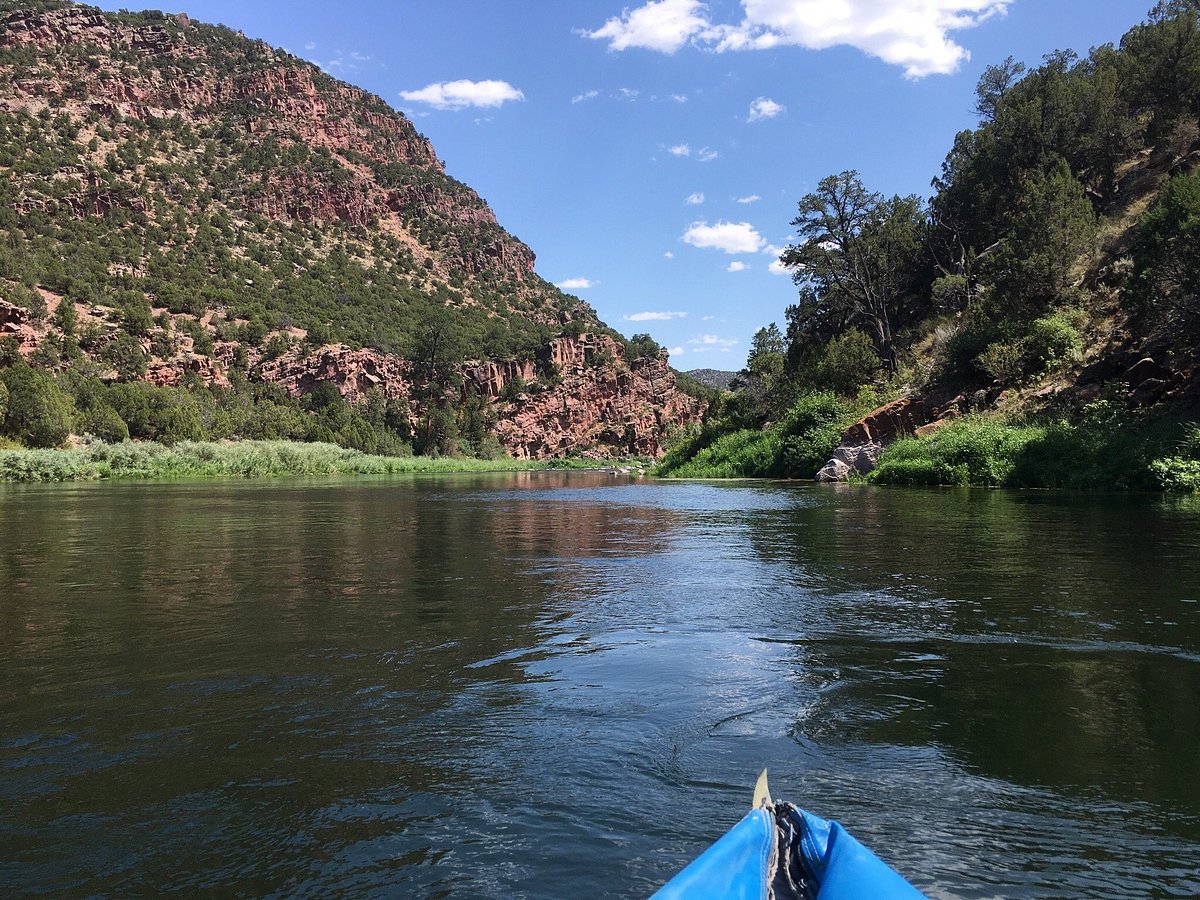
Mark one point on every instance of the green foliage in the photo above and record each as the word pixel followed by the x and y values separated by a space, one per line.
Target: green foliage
pixel 1176 474
pixel 1166 286
pixel 795 447
pixel 846 363
pixel 1108 446
pixel 246 459
pixel 640 346
pixel 38 413
pixel 859 257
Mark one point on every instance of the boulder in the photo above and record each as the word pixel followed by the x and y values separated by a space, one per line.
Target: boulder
pixel 863 442
pixel 833 471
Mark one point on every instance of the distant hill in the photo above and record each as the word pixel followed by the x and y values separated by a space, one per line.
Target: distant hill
pixel 184 205
pixel 713 378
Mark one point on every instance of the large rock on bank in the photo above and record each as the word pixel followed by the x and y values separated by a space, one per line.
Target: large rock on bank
pixel 863 442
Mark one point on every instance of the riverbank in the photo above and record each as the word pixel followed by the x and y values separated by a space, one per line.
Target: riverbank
pixel 243 459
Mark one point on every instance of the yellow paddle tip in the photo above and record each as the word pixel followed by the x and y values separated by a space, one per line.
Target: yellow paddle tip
pixel 762 794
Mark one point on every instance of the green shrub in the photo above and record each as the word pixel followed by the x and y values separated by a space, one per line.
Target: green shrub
pixel 102 422
pixel 1177 474
pixel 1003 360
pixel 39 413
pixel 847 362
pixel 970 451
pixel 1052 339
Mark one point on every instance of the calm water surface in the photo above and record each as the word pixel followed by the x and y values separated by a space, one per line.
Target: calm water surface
pixel 546 685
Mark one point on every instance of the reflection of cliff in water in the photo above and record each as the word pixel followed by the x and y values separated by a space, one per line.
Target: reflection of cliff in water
pixel 1044 639
pixel 342 624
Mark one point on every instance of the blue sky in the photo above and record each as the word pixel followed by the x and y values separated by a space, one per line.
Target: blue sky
pixel 652 153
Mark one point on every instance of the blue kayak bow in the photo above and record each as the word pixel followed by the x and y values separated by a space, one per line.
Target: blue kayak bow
pixel 779 852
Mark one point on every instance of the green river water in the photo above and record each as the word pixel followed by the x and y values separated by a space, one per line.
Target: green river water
pixel 564 685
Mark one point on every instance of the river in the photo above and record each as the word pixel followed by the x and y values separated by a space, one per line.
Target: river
pixel 564 685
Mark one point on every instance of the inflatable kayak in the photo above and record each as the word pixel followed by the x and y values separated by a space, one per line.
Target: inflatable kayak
pixel 779 852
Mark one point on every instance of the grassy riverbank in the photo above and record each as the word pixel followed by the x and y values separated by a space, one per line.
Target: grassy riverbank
pixel 246 459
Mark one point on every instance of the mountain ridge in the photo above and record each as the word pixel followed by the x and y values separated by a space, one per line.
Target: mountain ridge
pixel 192 206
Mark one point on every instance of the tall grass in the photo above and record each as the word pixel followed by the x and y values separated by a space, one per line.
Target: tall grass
pixel 1107 448
pixel 795 447
pixel 246 459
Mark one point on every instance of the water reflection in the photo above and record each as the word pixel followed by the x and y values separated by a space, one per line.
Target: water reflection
pixel 558 685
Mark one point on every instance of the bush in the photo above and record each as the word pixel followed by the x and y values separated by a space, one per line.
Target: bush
pixel 102 422
pixel 1177 474
pixel 1052 339
pixel 970 451
pixel 39 413
pixel 848 361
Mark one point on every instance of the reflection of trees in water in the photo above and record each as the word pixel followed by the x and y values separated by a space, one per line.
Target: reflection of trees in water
pixel 1040 638
pixel 301 647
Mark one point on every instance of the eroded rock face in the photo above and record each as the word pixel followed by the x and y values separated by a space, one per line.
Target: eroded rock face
pixel 863 442
pixel 601 407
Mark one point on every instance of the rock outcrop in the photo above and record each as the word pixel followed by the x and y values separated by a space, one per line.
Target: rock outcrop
pixel 863 442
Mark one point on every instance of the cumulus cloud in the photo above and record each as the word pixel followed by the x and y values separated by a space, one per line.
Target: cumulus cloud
pixel 736 266
pixel 669 255
pixel 751 198
pixel 675 351
pixel 704 154
pixel 586 95
pixel 575 284
pixel 731 237
pixel 710 342
pixel 662 25
pixel 461 94
pixel 694 199
pixel 765 108
pixel 655 316
pixel 913 34
pixel 679 98
pixel 680 150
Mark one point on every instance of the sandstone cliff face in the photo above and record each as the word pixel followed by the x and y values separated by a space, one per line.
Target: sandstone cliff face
pixel 153 128
pixel 283 98
pixel 602 406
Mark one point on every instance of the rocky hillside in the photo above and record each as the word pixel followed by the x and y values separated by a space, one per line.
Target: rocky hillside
pixel 186 206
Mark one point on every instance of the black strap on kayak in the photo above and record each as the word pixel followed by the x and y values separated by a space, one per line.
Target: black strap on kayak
pixel 793 879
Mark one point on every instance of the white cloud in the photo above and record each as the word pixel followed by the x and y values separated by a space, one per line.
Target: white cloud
pixel 752 198
pixel 704 154
pixel 628 93
pixel 461 94
pixel 913 34
pixel 311 45
pixel 679 98
pixel 669 255
pixel 707 318
pixel 575 284
pixel 732 237
pixel 662 25
pixel 655 316
pixel 680 150
pixel 586 95
pixel 675 351
pixel 708 341
pixel 765 108
pixel 694 199
pixel 736 266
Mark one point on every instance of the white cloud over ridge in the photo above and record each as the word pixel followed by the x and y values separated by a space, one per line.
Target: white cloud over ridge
pixel 462 94
pixel 655 316
pixel 731 237
pixel 575 284
pixel 765 108
pixel 913 34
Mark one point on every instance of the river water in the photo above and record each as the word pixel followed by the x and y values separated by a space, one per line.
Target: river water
pixel 564 685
